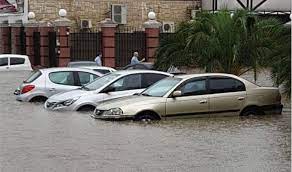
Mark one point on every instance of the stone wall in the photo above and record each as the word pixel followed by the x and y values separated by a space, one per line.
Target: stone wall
pixel 98 10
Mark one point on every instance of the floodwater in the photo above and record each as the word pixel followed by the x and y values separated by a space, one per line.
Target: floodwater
pixel 34 140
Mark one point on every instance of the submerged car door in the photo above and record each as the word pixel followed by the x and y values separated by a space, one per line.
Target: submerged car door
pixel 61 81
pixel 192 102
pixel 227 95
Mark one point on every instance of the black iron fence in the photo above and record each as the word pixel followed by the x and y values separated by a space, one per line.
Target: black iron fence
pixel 85 46
pixel 22 41
pixel 36 48
pixel 53 54
pixel 127 41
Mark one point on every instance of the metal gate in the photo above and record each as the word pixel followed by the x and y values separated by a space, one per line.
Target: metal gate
pixel 36 48
pixel 127 42
pixel 22 41
pixel 85 46
pixel 53 62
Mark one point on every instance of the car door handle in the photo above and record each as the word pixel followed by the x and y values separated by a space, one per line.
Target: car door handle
pixel 240 98
pixel 203 101
pixel 52 89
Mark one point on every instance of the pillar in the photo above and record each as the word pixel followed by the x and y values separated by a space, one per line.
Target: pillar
pixel 16 44
pixel 152 30
pixel 30 28
pixel 108 30
pixel 62 26
pixel 5 37
pixel 44 29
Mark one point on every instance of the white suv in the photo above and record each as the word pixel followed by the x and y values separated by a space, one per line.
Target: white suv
pixel 14 62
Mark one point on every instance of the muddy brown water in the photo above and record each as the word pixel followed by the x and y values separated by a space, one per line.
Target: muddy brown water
pixel 34 140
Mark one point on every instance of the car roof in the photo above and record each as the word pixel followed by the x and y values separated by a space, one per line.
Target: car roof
pixel 127 72
pixel 97 67
pixel 14 55
pixel 188 76
pixel 55 69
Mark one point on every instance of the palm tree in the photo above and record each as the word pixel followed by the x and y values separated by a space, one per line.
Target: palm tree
pixel 220 43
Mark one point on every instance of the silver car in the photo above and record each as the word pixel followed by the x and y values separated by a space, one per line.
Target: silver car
pixel 112 85
pixel 43 83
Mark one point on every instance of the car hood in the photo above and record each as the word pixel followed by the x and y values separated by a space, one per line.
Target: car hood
pixel 132 101
pixel 70 94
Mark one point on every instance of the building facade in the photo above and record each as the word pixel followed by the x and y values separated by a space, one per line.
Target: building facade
pixel 133 13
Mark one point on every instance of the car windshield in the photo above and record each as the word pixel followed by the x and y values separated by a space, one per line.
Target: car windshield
pixel 99 82
pixel 160 88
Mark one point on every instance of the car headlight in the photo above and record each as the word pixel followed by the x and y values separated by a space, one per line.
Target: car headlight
pixel 70 101
pixel 113 111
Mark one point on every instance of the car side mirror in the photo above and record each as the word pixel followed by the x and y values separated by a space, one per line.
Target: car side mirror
pixel 176 94
pixel 108 89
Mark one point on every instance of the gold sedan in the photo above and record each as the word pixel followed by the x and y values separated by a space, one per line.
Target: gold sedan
pixel 210 94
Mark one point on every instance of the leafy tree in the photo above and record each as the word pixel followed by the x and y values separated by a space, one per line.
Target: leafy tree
pixel 227 43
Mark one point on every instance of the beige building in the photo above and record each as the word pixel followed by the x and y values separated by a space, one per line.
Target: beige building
pixel 126 12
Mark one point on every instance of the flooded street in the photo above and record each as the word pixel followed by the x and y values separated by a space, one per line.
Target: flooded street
pixel 33 140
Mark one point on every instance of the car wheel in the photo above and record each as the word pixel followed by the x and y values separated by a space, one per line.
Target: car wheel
pixel 87 108
pixel 146 117
pixel 252 112
pixel 38 99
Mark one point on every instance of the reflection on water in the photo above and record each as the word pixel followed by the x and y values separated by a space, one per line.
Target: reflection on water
pixel 33 139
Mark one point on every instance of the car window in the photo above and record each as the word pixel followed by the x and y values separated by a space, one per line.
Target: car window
pixel 85 77
pixel 4 61
pixel 151 78
pixel 34 75
pixel 102 71
pixel 16 61
pixel 129 82
pixel 193 87
pixel 140 66
pixel 223 85
pixel 101 81
pixel 161 87
pixel 63 78
pixel 130 68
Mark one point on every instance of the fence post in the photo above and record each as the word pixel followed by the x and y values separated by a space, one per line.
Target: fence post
pixel 152 30
pixel 15 38
pixel 108 30
pixel 5 37
pixel 30 28
pixel 62 26
pixel 44 29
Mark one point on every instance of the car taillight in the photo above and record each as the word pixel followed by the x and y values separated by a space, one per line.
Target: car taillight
pixel 27 88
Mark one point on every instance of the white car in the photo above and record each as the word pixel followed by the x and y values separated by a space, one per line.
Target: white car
pixel 14 62
pixel 43 83
pixel 113 85
pixel 100 69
